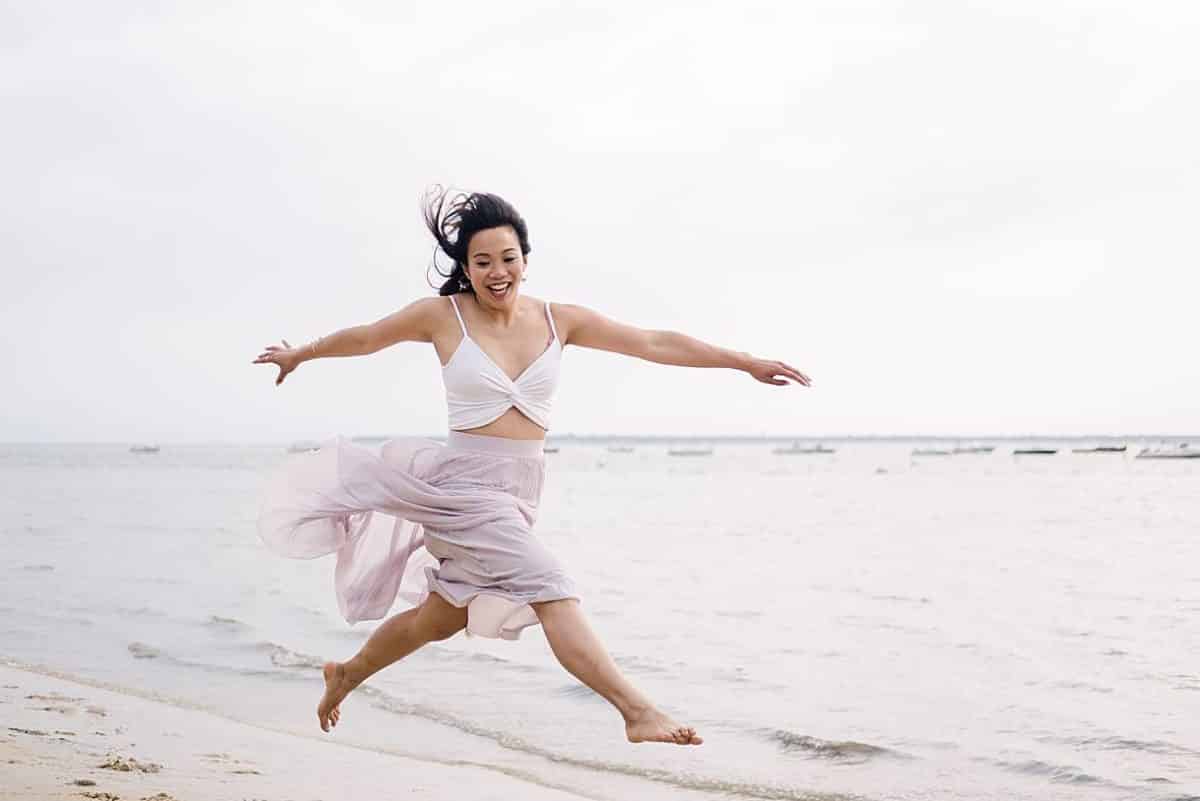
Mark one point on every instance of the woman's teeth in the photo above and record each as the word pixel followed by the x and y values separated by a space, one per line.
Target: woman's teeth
pixel 500 289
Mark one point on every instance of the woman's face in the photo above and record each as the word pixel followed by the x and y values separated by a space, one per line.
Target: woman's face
pixel 495 266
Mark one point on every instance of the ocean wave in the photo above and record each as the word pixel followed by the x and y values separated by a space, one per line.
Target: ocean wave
pixel 770 792
pixel 453 655
pixel 846 751
pixel 226 623
pixel 1065 774
pixel 1114 743
pixel 282 656
pixel 126 611
pixel 579 692
pixel 638 665
pixel 142 651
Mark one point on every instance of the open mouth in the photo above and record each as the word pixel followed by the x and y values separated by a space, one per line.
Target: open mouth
pixel 499 290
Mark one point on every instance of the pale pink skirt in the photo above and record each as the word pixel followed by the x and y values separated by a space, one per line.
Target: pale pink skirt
pixel 419 516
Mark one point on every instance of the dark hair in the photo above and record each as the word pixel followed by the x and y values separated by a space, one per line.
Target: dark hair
pixel 453 218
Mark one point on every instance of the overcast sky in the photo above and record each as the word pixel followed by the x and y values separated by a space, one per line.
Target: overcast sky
pixel 954 220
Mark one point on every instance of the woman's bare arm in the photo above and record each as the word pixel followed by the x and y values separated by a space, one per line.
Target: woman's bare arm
pixel 416 322
pixel 588 329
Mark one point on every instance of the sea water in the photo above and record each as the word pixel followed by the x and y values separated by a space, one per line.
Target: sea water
pixel 862 624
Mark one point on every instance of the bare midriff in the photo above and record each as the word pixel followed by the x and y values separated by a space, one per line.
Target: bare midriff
pixel 510 425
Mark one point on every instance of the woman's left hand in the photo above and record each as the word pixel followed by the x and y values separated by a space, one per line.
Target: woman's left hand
pixel 777 373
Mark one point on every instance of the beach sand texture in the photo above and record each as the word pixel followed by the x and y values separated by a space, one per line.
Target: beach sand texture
pixel 68 740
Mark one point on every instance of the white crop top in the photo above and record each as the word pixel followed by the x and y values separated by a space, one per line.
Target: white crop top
pixel 478 391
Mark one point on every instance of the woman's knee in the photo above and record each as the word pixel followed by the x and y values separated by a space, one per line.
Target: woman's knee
pixel 549 610
pixel 440 620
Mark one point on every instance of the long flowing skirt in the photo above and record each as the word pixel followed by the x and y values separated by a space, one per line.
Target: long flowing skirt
pixel 419 516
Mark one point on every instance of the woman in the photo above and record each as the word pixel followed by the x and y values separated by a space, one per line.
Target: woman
pixel 449 527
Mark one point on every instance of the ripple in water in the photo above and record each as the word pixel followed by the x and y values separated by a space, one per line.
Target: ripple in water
pixel 226 624
pixel 1066 774
pixel 846 751
pixel 142 651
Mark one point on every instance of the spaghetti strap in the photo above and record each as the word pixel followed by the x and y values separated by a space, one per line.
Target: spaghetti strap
pixel 458 314
pixel 550 317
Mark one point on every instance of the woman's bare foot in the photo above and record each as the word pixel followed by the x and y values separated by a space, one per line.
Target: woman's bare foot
pixel 337 686
pixel 652 726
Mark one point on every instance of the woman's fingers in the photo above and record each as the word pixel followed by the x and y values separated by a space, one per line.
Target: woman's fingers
pixel 795 374
pixel 803 378
pixel 789 373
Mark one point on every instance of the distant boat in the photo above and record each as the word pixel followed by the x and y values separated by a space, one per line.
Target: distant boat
pixel 929 452
pixel 975 449
pixel 144 449
pixel 1180 452
pixel 303 447
pixel 689 452
pixel 620 449
pixel 1035 451
pixel 795 448
pixel 1101 449
pixel 549 450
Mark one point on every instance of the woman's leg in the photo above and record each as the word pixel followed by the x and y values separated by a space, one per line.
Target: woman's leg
pixel 580 651
pixel 399 636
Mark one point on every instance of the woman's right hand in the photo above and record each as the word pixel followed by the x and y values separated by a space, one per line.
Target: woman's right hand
pixel 286 357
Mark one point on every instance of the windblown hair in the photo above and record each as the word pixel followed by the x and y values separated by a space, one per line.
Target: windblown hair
pixel 453 218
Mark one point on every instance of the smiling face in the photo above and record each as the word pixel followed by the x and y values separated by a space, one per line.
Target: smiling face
pixel 495 266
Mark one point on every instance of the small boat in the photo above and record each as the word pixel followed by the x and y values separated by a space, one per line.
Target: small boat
pixel 1101 449
pixel 1181 452
pixel 1034 451
pixel 620 449
pixel 796 448
pixel 144 449
pixel 974 449
pixel 550 450
pixel 929 452
pixel 689 452
pixel 303 447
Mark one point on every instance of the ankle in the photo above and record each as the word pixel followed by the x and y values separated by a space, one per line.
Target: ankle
pixel 636 711
pixel 356 669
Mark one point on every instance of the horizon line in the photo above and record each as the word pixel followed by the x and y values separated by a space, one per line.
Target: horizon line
pixel 641 437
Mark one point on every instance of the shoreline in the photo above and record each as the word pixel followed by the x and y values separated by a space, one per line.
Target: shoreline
pixel 65 737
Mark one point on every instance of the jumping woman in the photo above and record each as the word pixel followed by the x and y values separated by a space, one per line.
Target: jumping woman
pixel 449 527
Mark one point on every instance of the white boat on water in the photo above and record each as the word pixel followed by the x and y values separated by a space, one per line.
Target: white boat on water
pixel 796 448
pixel 144 449
pixel 689 452
pixel 1179 452
pixel 303 447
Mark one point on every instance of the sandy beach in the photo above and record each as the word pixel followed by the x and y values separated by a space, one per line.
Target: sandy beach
pixel 67 739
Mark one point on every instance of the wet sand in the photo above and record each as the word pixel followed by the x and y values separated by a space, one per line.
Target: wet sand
pixel 63 739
